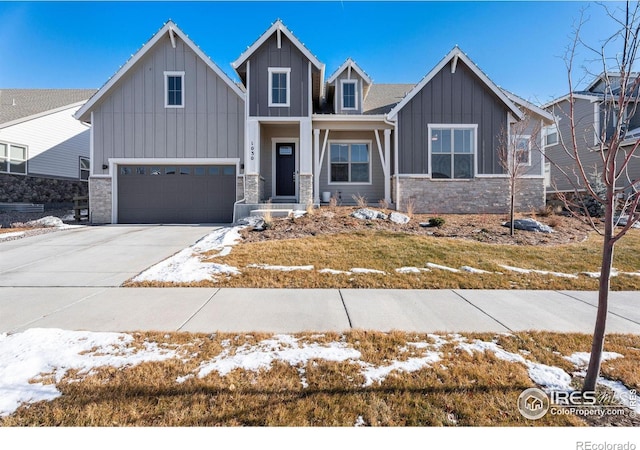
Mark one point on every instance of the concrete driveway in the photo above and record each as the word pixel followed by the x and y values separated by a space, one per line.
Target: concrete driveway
pixel 92 256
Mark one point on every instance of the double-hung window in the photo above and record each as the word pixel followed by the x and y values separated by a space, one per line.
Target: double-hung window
pixel 349 98
pixel 349 163
pixel 523 150
pixel 13 158
pixel 452 149
pixel 85 166
pixel 550 135
pixel 279 86
pixel 174 89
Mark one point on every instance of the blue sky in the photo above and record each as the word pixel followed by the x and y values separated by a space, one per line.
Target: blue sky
pixel 518 44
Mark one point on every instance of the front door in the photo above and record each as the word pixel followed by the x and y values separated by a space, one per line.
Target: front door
pixel 285 170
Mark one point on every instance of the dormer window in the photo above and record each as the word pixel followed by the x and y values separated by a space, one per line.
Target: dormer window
pixel 174 89
pixel 349 98
pixel 279 86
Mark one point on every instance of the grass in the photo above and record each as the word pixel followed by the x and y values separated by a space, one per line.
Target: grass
pixel 388 251
pixel 461 389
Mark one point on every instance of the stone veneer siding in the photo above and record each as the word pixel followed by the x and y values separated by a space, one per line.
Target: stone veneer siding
pixel 100 200
pixel 476 196
pixel 35 189
pixel 306 189
pixel 252 188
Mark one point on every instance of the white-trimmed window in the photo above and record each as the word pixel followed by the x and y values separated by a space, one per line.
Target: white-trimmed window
pixel 85 167
pixel 523 150
pixel 550 135
pixel 452 149
pixel 13 158
pixel 349 94
pixel 349 162
pixel 174 89
pixel 279 86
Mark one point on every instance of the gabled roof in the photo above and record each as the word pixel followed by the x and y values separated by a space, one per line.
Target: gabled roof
pixel 354 66
pixel 453 56
pixel 581 95
pixel 519 101
pixel 277 27
pixel 173 31
pixel 383 97
pixel 20 105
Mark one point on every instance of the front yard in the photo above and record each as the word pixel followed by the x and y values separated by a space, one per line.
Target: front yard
pixel 356 379
pixel 330 249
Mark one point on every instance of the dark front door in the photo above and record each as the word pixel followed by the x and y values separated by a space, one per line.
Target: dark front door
pixel 285 170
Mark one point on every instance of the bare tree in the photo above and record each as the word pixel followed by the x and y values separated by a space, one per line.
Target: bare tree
pixel 616 56
pixel 516 148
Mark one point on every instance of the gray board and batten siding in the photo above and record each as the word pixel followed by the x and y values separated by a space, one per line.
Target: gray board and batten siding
pixel 451 98
pixel 287 56
pixel 132 121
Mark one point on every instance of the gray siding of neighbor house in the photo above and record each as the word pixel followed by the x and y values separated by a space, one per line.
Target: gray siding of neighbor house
pixel 269 55
pixel 556 154
pixel 132 121
pixel 345 191
pixel 359 93
pixel 458 98
pixel 534 129
pixel 634 120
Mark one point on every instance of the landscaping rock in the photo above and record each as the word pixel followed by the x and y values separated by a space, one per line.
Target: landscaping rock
pixel 368 214
pixel 529 225
pixel 622 221
pixel 396 217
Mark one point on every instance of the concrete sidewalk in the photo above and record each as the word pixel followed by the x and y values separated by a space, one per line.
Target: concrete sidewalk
pixel 298 310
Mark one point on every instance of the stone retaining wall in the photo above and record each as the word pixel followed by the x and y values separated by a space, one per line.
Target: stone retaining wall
pixel 35 189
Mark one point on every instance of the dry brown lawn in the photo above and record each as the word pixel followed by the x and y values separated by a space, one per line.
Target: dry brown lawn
pixel 461 389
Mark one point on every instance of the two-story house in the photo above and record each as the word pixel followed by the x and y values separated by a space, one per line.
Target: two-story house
pixel 44 150
pixel 174 139
pixel 594 112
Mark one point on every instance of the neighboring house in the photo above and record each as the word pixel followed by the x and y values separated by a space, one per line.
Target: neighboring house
pixel 592 107
pixel 44 150
pixel 174 139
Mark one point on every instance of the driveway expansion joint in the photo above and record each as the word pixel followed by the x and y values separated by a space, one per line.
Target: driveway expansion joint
pixel 198 310
pixel 346 311
pixel 596 306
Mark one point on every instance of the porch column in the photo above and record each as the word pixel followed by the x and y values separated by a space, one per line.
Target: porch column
pixel 252 162
pixel 316 166
pixel 305 177
pixel 387 165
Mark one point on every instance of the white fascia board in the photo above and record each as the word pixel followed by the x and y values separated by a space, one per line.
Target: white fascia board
pixel 168 27
pixel 354 66
pixel 277 25
pixel 530 106
pixel 349 117
pixel 41 114
pixel 456 52
pixel 591 98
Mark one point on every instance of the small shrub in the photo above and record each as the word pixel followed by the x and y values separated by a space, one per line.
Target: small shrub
pixel 436 222
pixel 554 222
pixel 410 207
pixel 383 204
pixel 310 209
pixel 333 202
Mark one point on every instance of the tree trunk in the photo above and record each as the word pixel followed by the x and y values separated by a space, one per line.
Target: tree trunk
pixel 597 345
pixel 512 211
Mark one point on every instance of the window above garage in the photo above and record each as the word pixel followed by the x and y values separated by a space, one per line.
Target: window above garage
pixel 174 89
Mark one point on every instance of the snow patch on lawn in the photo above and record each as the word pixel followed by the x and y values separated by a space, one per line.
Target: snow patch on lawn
pixel 581 359
pixel 30 358
pixel 363 270
pixel 541 272
pixel 473 270
pixel 373 374
pixel 280 268
pixel 412 270
pixel 188 266
pixel 437 266
pixel 335 272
